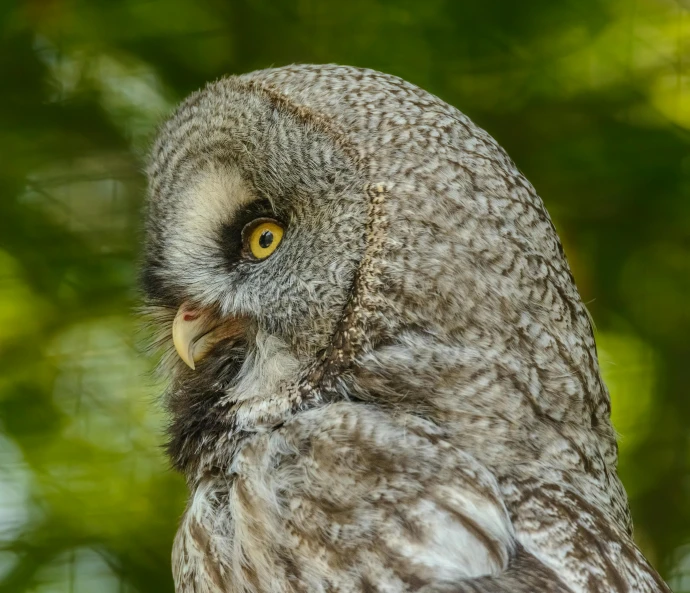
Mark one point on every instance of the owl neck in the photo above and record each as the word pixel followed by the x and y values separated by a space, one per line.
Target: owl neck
pixel 506 410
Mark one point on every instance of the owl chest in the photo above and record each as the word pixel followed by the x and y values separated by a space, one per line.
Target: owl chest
pixel 306 513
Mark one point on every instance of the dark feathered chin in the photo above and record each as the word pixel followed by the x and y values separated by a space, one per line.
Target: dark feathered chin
pixel 217 371
pixel 194 397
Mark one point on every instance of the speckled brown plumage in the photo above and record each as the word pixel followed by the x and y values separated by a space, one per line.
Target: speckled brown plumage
pixel 415 403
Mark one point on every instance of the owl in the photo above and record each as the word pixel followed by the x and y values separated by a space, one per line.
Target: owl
pixel 382 378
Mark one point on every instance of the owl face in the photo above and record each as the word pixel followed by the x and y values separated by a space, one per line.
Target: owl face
pixel 255 229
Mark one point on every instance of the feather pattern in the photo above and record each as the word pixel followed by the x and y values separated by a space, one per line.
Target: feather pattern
pixel 416 404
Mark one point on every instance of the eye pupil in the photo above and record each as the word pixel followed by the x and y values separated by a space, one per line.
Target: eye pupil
pixel 266 239
pixel 261 237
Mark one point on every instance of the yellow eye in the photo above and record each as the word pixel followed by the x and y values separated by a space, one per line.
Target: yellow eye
pixel 263 237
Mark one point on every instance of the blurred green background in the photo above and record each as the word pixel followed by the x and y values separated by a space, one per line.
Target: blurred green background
pixel 590 97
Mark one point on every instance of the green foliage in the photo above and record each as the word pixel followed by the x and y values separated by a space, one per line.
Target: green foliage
pixel 590 97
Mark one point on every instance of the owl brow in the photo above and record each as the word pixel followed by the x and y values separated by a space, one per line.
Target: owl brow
pixel 230 233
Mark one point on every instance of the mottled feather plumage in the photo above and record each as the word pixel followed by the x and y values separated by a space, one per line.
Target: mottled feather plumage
pixel 416 404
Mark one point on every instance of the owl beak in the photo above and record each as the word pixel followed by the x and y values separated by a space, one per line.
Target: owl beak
pixel 196 330
pixel 190 330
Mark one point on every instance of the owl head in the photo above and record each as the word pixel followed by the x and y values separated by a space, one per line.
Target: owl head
pixel 323 232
